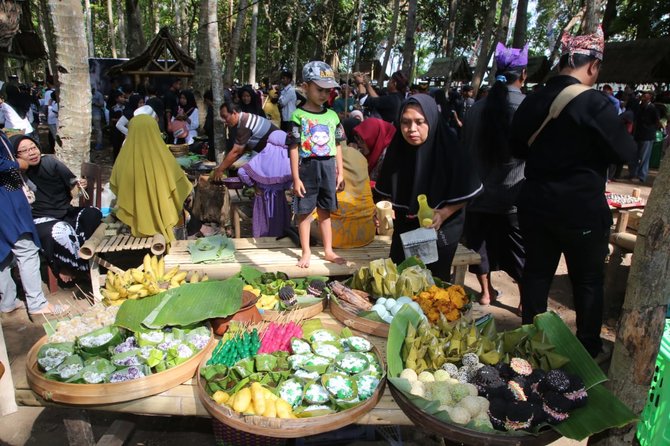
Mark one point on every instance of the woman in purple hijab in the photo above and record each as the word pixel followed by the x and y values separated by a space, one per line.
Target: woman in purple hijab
pixel 270 173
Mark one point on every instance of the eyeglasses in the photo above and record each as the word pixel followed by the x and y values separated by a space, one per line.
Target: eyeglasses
pixel 28 150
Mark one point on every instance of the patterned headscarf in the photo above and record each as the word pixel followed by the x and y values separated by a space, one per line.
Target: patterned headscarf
pixel 589 45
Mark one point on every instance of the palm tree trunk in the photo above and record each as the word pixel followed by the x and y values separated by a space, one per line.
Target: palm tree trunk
pixel 121 28
pixel 217 83
pixel 89 28
pixel 136 43
pixel 484 53
pixel 235 43
pixel 390 43
pixel 409 46
pixel 202 78
pixel 74 117
pixel 253 43
pixel 111 28
pixel 47 27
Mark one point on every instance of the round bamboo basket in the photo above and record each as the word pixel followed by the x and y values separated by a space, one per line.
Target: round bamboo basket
pixel 288 428
pixel 460 434
pixel 178 149
pixel 356 322
pixel 299 313
pixel 108 393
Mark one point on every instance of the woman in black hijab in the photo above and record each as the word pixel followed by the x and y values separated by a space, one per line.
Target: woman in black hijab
pixel 426 158
pixel 249 101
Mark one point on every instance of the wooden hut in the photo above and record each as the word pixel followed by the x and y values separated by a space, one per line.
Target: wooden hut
pixel 439 69
pixel 163 57
pixel 644 61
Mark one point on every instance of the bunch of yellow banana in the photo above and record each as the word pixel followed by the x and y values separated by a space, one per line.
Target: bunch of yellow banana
pixel 147 280
pixel 267 302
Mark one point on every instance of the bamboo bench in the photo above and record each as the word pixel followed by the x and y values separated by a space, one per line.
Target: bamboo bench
pixel 270 255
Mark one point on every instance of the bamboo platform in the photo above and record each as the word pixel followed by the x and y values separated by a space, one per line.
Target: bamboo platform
pixel 271 255
pixel 183 400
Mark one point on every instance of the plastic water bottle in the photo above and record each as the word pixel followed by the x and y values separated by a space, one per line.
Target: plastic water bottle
pixel 425 212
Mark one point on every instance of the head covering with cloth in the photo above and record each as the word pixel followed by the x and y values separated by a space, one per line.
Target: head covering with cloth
pixel 149 184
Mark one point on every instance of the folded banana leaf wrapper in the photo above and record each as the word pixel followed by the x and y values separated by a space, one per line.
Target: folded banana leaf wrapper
pixel 603 410
pixel 382 278
pixel 182 307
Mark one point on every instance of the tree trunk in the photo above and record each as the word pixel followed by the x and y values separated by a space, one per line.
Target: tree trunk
pixel 484 50
pixel 135 39
pixel 47 26
pixel 253 43
pixel 296 42
pixel 502 31
pixel 451 37
pixel 177 9
pixel 521 25
pixel 592 16
pixel 88 20
pixel 359 22
pixel 111 28
pixel 234 44
pixel 217 83
pixel 555 53
pixel 121 28
pixel 154 26
pixel 390 43
pixel 643 314
pixel 409 46
pixel 74 116
pixel 609 17
pixel 202 78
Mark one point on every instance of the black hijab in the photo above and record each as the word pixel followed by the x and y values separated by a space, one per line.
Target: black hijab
pixel 131 106
pixel 19 101
pixel 254 106
pixel 438 168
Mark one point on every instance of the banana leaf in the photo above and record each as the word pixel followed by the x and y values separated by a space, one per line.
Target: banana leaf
pixel 132 312
pixel 196 302
pixel 603 410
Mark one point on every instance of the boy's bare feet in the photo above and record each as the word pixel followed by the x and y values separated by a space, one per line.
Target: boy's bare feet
pixel 332 257
pixel 304 260
pixel 489 297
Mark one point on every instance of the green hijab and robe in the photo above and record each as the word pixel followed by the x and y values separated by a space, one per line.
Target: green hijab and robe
pixel 149 184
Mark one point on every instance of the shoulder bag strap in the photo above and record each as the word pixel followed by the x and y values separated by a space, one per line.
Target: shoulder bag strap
pixel 564 97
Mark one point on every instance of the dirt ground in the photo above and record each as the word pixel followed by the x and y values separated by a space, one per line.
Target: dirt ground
pixel 44 426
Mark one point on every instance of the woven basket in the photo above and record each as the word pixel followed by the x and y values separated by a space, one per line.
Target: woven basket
pixel 227 436
pixel 178 149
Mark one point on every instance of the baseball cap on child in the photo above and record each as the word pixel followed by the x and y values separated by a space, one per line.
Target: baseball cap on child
pixel 320 73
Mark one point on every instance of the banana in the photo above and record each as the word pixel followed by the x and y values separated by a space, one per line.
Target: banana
pixel 127 276
pixel 136 288
pixel 147 263
pixel 110 295
pixel 194 278
pixel 153 288
pixel 170 274
pixel 181 275
pixel 138 276
pixel 161 268
pixel 204 278
pixel 154 266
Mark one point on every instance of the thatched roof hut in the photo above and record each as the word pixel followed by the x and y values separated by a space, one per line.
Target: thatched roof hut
pixel 461 72
pixel 163 57
pixel 636 62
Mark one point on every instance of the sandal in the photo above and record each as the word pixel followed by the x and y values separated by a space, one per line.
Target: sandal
pixel 20 305
pixel 55 309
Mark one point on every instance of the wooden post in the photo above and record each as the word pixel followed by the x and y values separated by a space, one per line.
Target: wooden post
pixel 78 428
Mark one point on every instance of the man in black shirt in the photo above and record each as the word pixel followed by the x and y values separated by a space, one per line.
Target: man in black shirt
pixel 647 122
pixel 562 206
pixel 388 106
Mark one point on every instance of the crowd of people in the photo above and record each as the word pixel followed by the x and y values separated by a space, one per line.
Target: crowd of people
pixel 514 183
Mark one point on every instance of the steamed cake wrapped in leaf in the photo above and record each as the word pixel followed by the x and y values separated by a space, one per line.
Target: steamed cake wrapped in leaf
pixel 265 362
pixel 352 362
pixel 375 368
pixel 366 386
pixel 129 344
pixel 152 356
pixel 180 353
pixel 130 373
pixel 323 335
pixel 315 393
pixel 199 337
pixel 71 366
pixel 314 410
pixel 151 338
pixel 52 355
pixel 413 280
pixel 300 346
pixel 99 342
pixel 296 361
pixel 316 363
pixel 340 386
pixel 96 371
pixel 357 344
pixel 307 376
pixel 326 349
pixel 291 391
pixel 126 359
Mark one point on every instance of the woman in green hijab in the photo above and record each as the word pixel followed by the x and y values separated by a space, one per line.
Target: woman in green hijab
pixel 149 184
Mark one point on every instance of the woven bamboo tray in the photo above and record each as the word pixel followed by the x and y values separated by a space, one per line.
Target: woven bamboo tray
pixel 108 393
pixel 356 322
pixel 288 428
pixel 178 149
pixel 459 434
pixel 299 313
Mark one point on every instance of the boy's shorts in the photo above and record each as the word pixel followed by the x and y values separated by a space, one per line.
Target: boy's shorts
pixel 319 176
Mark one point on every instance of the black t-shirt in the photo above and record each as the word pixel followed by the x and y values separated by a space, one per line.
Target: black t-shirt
pixel 171 102
pixel 387 106
pixel 646 123
pixel 54 182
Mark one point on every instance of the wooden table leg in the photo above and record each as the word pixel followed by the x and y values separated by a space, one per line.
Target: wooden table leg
pixel 78 428
pixel 459 274
pixel 235 210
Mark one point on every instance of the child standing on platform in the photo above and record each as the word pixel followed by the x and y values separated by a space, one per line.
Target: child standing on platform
pixel 316 159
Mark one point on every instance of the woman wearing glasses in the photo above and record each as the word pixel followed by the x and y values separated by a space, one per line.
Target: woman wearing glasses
pixel 62 228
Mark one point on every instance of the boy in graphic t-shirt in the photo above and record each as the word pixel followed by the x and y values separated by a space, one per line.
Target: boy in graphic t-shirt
pixel 316 159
